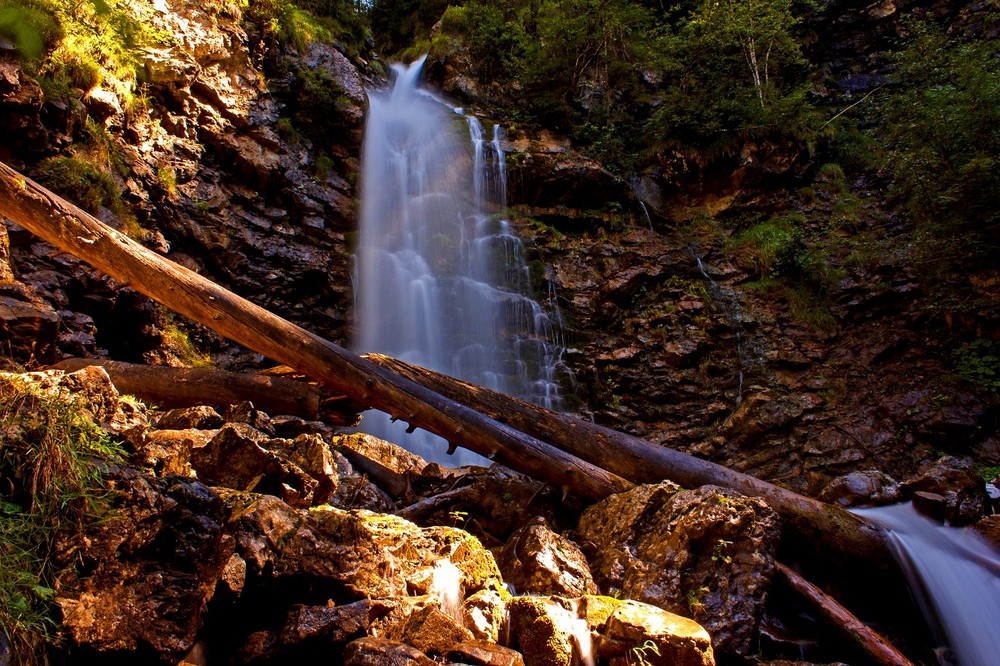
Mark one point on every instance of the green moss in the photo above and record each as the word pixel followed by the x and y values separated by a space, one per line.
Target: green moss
pixel 81 183
pixel 978 363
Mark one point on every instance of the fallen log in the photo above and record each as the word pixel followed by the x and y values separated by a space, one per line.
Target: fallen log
pixel 811 527
pixel 873 644
pixel 169 387
pixel 70 229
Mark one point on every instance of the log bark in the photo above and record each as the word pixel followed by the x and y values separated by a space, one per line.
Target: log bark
pixel 72 230
pixel 873 644
pixel 811 528
pixel 169 387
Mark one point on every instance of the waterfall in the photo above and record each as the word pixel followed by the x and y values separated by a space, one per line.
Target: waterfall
pixel 955 578
pixel 441 278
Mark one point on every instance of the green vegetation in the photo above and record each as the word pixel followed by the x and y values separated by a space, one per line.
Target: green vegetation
pixel 940 143
pixel 50 461
pixel 80 182
pixel 978 363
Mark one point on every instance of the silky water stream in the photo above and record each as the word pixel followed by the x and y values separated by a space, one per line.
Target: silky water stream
pixel 954 576
pixel 441 279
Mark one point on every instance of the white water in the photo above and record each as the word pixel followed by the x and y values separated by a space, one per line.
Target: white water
pixel 441 280
pixel 446 587
pixel 955 577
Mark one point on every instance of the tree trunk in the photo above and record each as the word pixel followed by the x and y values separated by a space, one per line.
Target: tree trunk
pixel 168 387
pixel 864 637
pixel 72 230
pixel 810 528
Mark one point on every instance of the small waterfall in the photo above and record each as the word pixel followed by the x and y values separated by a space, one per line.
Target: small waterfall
pixel 446 587
pixel 955 578
pixel 441 278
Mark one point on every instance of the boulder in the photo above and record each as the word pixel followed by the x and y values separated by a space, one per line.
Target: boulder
pixel 148 571
pixel 705 553
pixel 389 464
pixel 372 651
pixel 865 487
pixel 202 418
pixel 356 491
pixel 485 653
pixel 28 325
pixel 554 631
pixel 168 452
pixel 238 458
pixel 538 561
pixel 955 481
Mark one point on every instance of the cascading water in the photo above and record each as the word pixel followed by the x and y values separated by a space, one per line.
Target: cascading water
pixel 955 578
pixel 441 279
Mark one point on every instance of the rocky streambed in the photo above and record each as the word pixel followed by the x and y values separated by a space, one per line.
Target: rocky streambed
pixel 238 537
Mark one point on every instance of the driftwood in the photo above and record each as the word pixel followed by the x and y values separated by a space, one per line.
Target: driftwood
pixel 810 527
pixel 169 387
pixel 864 637
pixel 72 230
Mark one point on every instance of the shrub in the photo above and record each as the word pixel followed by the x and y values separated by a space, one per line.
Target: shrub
pixel 81 183
pixel 768 249
pixel 51 456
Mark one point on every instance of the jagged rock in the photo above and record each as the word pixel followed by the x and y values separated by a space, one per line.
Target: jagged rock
pixel 956 482
pixel 28 325
pixel 313 456
pixel 168 452
pixel 238 458
pixel 148 571
pixel 102 104
pixel 868 486
pixel 20 105
pixel 390 464
pixel 989 529
pixel 485 653
pixel 202 418
pixel 429 629
pixel 245 412
pixel 371 651
pixel 355 491
pixel 760 413
pixel 538 561
pixel 707 553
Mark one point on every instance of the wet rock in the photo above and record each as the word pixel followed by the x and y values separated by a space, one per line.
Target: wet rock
pixel 707 553
pixel 866 487
pixel 429 629
pixel 29 326
pixel 542 630
pixel 238 458
pixel 149 569
pixel 761 413
pixel 957 482
pixel 485 653
pixel 356 491
pixel 554 631
pixel 372 651
pixel 538 561
pixel 989 529
pixel 202 418
pixel 484 613
pixel 640 633
pixel 168 452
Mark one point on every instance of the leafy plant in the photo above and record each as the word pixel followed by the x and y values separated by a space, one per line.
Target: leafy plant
pixel 81 183
pixel 978 363
pixel 50 460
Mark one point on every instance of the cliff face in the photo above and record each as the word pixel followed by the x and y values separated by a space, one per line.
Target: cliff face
pixel 673 336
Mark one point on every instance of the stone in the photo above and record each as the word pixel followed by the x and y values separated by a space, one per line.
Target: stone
pixel 245 412
pixel 706 553
pixel 640 633
pixel 28 328
pixel 201 417
pixel 538 561
pixel 542 628
pixel 429 629
pixel 485 653
pixel 372 651
pixel 761 413
pixel 956 481
pixel 390 464
pixel 865 487
pixel 312 455
pixel 238 458
pixel 356 491
pixel 484 613
pixel 168 452
pixel 150 569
